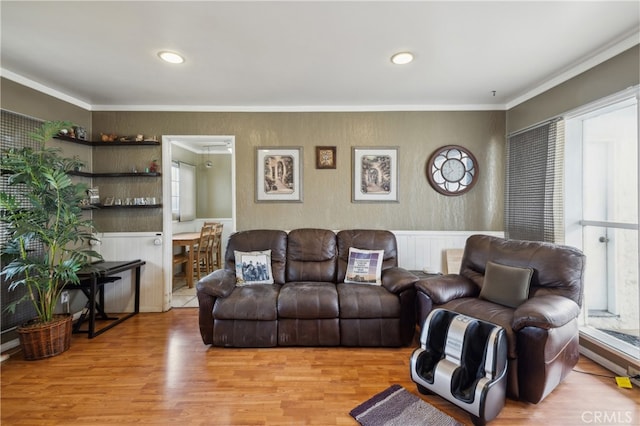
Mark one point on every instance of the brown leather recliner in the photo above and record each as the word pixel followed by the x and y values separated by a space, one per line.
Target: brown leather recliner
pixel 542 332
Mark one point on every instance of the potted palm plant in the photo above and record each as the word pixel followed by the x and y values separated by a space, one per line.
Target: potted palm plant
pixel 47 236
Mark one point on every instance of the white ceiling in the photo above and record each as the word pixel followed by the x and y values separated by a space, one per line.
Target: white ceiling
pixel 308 55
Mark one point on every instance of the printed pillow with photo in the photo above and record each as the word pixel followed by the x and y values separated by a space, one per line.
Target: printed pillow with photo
pixel 364 266
pixel 253 267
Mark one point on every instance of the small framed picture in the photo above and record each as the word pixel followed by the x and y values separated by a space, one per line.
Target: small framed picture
pixel 375 174
pixel 108 201
pixel 279 174
pixel 325 157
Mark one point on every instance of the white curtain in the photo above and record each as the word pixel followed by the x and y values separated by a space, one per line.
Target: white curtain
pixel 187 192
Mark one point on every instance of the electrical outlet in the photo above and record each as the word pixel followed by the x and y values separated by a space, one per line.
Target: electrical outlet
pixel 64 297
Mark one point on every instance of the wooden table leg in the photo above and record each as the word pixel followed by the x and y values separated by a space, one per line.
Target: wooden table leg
pixel 189 268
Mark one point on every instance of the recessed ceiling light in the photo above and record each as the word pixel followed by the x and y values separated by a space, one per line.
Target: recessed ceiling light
pixel 402 58
pixel 171 57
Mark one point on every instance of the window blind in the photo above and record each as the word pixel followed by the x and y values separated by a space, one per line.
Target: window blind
pixel 534 183
pixel 15 133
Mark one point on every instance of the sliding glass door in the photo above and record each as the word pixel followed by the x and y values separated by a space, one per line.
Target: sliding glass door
pixel 605 142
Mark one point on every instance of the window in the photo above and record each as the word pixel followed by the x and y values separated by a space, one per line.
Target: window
pixel 602 218
pixel 175 190
pixel 183 191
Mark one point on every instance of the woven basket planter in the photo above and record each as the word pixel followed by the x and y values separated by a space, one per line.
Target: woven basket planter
pixel 40 341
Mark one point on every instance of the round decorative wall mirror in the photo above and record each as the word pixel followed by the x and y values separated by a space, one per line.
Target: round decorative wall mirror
pixel 452 170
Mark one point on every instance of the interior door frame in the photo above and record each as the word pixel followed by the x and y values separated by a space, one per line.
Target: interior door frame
pixel 167 220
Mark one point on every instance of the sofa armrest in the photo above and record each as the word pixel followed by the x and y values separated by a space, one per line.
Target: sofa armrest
pixel 548 311
pixel 219 283
pixel 445 288
pixel 396 280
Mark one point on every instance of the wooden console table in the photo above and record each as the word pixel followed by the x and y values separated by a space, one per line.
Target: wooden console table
pixel 92 282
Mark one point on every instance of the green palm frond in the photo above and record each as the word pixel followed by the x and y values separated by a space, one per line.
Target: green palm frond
pixel 49 214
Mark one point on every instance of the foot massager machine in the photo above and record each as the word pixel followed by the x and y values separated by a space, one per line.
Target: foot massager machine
pixel 464 360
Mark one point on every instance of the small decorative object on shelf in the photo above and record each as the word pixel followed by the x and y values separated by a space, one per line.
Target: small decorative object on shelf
pixel 153 167
pixel 94 195
pixel 108 138
pixel 81 133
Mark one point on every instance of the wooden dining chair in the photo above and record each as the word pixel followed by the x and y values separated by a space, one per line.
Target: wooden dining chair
pixel 216 249
pixel 215 254
pixel 201 262
pixel 181 259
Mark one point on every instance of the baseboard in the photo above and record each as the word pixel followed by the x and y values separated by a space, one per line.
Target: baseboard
pixel 617 369
pixel 7 346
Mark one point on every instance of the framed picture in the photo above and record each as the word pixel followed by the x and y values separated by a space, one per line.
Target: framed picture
pixel 375 174
pixel 279 174
pixel 108 201
pixel 325 157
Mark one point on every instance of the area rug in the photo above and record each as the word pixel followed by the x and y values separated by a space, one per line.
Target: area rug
pixel 396 406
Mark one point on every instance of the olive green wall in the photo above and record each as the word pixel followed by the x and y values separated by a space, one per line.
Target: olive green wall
pixel 327 193
pixel 616 74
pixel 213 189
pixel 23 100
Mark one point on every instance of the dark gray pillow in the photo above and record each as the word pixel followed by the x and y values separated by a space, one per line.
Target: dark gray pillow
pixel 506 285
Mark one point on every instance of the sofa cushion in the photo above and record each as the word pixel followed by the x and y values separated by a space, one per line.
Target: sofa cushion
pixel 506 285
pixel 308 300
pixel 311 255
pixel 366 239
pixel 259 240
pixel 557 269
pixel 364 266
pixel 253 267
pixel 249 302
pixel 358 301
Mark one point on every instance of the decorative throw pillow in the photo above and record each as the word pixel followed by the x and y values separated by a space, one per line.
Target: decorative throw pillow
pixel 253 267
pixel 364 267
pixel 506 285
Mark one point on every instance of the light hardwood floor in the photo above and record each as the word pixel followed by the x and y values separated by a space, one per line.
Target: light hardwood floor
pixel 154 369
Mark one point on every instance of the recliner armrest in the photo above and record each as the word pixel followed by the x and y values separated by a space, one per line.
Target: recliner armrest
pixel 396 279
pixel 547 311
pixel 444 288
pixel 219 283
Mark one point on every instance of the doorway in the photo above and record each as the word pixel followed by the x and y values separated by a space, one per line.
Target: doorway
pixel 208 155
pixel 604 142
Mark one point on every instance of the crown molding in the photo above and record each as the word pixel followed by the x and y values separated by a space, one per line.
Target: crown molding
pixel 9 75
pixel 300 108
pixel 626 42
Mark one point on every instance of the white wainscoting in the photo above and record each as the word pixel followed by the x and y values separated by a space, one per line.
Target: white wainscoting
pixel 147 246
pixel 418 250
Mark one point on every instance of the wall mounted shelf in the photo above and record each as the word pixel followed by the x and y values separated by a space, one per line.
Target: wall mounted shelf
pixel 100 143
pixel 116 174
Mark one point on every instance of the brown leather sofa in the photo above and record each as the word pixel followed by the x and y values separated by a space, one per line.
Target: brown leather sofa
pixel 542 332
pixel 308 304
